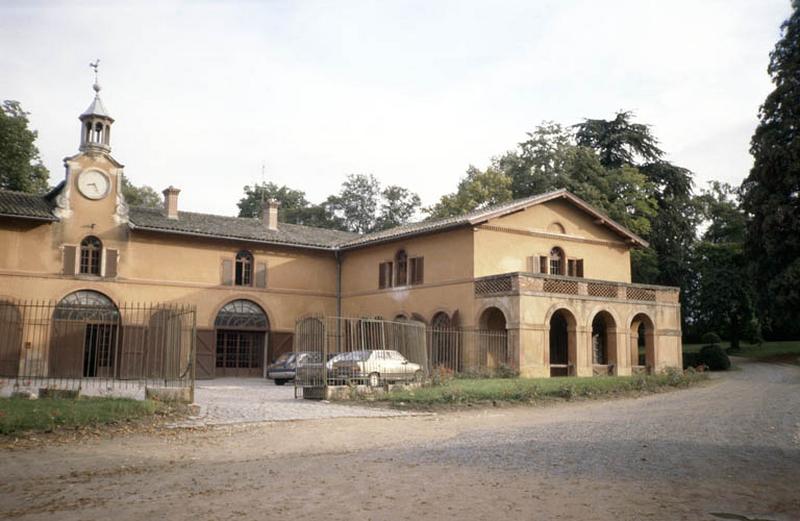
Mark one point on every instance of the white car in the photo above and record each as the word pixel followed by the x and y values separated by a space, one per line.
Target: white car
pixel 373 366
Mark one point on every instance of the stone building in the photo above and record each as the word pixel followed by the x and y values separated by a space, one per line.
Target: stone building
pixel 550 270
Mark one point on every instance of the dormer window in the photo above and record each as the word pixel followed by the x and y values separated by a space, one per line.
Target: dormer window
pixel 244 269
pixel 91 255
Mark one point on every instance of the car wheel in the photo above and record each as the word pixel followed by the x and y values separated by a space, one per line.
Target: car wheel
pixel 280 382
pixel 418 376
pixel 374 380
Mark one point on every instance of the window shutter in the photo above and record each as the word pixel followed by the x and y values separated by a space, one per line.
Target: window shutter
pixel 542 264
pixel 261 275
pixel 111 262
pixel 579 268
pixel 227 272
pixel 381 275
pixel 571 267
pixel 532 265
pixel 69 260
pixel 417 270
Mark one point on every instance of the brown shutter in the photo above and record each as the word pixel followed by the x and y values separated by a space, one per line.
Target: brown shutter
pixel 579 268
pixel 381 275
pixel 261 275
pixel 111 262
pixel 227 272
pixel 542 264
pixel 69 260
pixel 419 270
pixel 571 267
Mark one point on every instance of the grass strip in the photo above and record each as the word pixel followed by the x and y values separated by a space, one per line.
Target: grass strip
pixel 47 414
pixel 522 390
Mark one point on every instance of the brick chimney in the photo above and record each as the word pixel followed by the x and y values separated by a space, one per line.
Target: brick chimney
pixel 171 202
pixel 270 214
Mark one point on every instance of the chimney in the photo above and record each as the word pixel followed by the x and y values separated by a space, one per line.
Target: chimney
pixel 270 214
pixel 171 202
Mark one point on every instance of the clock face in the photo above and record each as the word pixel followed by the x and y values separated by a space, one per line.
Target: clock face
pixel 93 184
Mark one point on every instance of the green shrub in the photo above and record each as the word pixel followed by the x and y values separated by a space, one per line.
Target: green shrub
pixel 711 338
pixel 506 371
pixel 691 360
pixel 714 357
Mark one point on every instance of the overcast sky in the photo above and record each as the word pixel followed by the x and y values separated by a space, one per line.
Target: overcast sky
pixel 203 93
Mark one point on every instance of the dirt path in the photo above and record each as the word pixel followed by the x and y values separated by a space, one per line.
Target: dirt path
pixel 730 448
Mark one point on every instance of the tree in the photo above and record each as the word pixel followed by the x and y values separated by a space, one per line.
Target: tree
pixel 724 300
pixel 291 200
pixel 357 202
pixel 143 195
pixel 477 190
pixel 398 207
pixel 618 141
pixel 20 166
pixel 771 192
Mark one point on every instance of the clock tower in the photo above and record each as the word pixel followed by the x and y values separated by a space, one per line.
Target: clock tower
pixel 92 188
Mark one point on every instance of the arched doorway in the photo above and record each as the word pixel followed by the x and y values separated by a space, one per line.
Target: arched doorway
pixel 241 332
pixel 643 343
pixel 493 339
pixel 84 342
pixel 562 343
pixel 11 339
pixel 604 343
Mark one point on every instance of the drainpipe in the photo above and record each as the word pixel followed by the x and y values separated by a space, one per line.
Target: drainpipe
pixel 338 255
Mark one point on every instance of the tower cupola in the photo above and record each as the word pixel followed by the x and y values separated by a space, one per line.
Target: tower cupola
pixel 96 121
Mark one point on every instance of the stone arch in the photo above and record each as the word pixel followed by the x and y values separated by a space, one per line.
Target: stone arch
pixel 241 328
pixel 240 296
pixel 499 304
pixel 561 329
pixel 643 353
pixel 83 340
pixel 556 227
pixel 492 340
pixel 603 340
pixel 11 339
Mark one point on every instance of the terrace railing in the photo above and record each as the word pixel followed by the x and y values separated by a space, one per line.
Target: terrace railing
pixel 520 283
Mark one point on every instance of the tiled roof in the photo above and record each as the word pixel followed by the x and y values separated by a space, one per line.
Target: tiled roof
pixel 250 229
pixel 33 206
pixel 436 225
pixel 25 206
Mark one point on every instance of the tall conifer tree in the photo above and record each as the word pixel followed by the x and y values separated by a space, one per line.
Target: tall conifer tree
pixel 771 193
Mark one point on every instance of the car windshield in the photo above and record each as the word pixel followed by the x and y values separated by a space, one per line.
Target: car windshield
pixel 285 357
pixel 357 356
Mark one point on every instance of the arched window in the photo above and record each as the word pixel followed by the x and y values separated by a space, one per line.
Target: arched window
pixel 241 314
pixel 91 253
pixel 557 261
pixel 244 268
pixel 401 263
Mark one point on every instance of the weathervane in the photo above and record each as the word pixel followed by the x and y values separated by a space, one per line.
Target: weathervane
pixel 94 66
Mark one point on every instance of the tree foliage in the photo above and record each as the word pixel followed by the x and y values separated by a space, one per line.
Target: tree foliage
pixel 771 193
pixel 361 205
pixel 21 168
pixel 724 296
pixel 478 189
pixel 294 207
pixel 143 196
pixel 619 141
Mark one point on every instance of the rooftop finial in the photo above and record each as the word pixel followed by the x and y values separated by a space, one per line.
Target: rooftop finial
pixel 94 66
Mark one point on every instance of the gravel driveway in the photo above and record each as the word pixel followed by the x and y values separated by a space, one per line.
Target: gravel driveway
pixel 245 400
pixel 729 450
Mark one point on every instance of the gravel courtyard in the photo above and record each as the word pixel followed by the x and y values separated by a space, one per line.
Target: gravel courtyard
pixel 226 401
pixel 729 450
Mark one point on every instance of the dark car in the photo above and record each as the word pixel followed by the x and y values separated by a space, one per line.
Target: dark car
pixel 284 368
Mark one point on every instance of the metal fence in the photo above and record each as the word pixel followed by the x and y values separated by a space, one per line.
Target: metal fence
pixel 346 351
pixel 96 348
pixel 475 352
pixel 339 350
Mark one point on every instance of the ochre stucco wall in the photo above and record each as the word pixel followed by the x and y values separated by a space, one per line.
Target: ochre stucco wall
pixel 503 245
